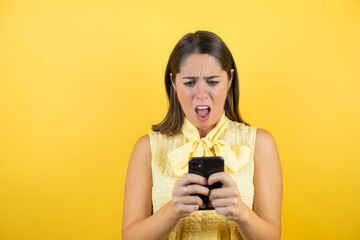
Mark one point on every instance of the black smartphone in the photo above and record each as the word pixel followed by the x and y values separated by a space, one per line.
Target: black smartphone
pixel 205 166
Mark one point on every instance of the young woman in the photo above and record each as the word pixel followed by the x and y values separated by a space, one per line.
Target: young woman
pixel 203 120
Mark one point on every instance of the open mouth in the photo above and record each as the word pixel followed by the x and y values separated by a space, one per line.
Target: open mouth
pixel 202 112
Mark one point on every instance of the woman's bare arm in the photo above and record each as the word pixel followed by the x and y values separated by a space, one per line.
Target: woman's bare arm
pixel 265 221
pixel 138 223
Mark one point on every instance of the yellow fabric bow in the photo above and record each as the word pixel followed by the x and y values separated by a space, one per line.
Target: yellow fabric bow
pixel 235 157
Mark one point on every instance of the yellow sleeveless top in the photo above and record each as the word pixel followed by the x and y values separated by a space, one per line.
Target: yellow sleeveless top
pixel 233 141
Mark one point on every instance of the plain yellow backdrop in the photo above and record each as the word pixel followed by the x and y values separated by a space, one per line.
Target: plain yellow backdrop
pixel 81 81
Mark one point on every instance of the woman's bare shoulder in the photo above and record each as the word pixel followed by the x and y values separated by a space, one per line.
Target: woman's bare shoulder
pixel 264 138
pixel 265 146
pixel 143 141
pixel 143 145
pixel 141 154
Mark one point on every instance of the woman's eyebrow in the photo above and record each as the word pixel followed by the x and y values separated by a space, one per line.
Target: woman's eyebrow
pixel 211 77
pixel 190 77
pixel 207 78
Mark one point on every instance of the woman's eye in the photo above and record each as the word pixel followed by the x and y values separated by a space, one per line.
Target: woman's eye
pixel 213 83
pixel 190 83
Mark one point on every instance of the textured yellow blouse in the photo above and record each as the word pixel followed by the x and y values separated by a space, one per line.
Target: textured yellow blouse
pixel 233 141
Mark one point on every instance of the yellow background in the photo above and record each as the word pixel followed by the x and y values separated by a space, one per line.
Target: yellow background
pixel 81 81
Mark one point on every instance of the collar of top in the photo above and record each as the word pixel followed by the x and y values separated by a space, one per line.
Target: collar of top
pixel 208 146
pixel 192 133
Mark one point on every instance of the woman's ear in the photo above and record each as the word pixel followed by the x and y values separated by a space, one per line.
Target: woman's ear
pixel 231 78
pixel 172 82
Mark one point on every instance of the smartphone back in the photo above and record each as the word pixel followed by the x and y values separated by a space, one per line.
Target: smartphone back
pixel 205 166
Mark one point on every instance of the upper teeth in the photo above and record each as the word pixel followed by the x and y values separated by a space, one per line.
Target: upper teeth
pixel 202 107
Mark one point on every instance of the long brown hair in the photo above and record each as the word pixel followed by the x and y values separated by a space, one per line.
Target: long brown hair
pixel 203 42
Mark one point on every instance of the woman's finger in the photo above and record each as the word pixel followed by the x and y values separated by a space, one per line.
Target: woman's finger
pixel 224 193
pixel 180 202
pixel 189 178
pixel 189 208
pixel 221 210
pixel 220 202
pixel 191 200
pixel 222 177
pixel 197 189
pixel 190 189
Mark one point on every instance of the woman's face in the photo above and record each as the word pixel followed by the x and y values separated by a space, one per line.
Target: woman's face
pixel 201 87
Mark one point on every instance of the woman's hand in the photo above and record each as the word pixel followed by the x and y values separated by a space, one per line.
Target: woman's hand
pixel 182 203
pixel 227 199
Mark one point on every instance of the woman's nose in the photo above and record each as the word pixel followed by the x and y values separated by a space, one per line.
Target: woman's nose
pixel 202 92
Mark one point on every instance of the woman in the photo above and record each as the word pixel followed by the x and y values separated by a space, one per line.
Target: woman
pixel 203 120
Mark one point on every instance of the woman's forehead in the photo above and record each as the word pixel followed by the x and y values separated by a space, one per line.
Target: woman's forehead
pixel 197 63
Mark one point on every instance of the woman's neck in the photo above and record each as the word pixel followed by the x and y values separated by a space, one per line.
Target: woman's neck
pixel 204 132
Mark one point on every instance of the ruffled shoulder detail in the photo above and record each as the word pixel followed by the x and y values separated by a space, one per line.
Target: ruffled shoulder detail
pixel 242 138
